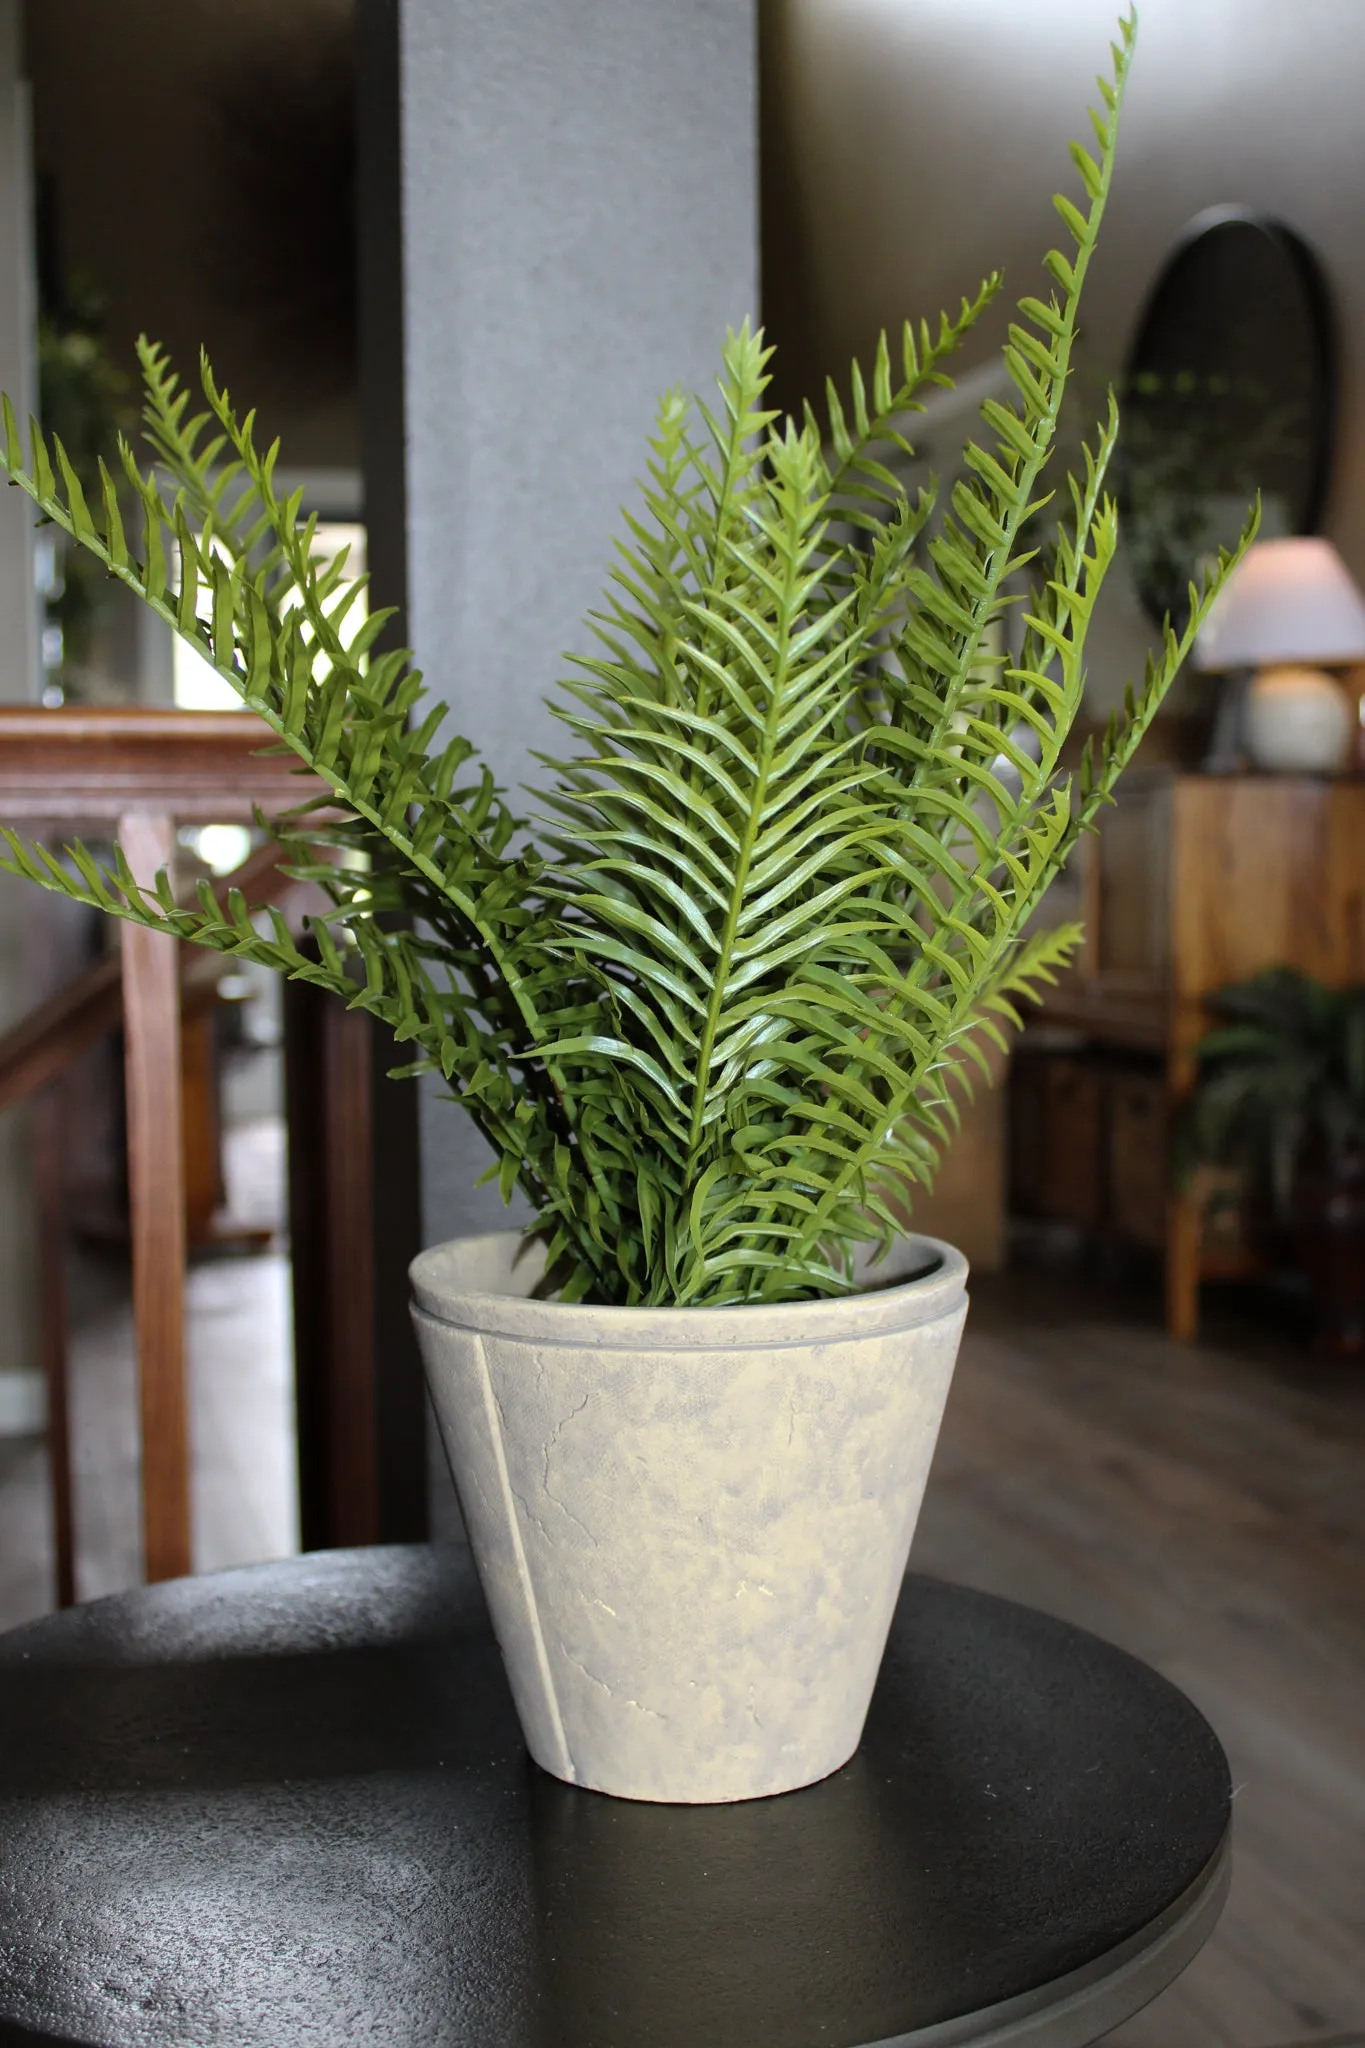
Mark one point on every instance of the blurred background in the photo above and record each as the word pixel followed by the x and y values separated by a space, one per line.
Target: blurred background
pixel 1158 1425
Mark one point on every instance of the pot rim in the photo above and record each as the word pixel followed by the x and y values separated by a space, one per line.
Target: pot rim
pixel 439 1293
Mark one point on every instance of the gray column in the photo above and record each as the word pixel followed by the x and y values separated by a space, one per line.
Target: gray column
pixel 579 229
pixel 20 1386
pixel 18 604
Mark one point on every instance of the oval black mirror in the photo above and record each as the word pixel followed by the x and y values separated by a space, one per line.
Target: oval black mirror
pixel 1229 390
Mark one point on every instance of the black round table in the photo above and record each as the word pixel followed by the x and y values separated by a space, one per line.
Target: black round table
pixel 290 1805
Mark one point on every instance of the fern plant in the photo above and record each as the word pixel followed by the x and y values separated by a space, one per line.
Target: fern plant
pixel 705 1003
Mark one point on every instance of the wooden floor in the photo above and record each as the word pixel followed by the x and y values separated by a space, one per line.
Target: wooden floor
pixel 1203 1507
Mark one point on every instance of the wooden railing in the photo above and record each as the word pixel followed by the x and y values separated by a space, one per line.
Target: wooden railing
pixel 137 775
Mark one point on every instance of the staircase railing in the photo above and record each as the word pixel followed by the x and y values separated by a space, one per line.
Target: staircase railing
pixel 137 775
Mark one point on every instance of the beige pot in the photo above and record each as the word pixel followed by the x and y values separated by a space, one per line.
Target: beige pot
pixel 691 1525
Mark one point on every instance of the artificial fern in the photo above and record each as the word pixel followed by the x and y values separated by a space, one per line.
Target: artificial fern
pixel 706 1003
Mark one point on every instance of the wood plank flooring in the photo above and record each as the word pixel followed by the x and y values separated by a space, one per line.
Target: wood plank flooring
pixel 1204 1507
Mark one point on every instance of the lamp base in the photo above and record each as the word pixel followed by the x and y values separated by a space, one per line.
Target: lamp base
pixel 1298 722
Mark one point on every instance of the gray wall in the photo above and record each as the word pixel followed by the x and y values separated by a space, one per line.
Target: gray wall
pixel 579 230
pixel 920 141
pixel 20 1389
pixel 18 604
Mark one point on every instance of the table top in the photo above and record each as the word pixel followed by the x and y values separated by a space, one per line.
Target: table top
pixel 290 1805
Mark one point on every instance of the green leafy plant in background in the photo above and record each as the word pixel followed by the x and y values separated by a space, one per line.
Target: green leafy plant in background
pixel 706 1004
pixel 86 402
pixel 1280 1085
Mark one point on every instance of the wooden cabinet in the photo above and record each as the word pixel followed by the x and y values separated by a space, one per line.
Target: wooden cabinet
pixel 1137 1159
pixel 1057 1139
pixel 1193 881
pixel 1088 1141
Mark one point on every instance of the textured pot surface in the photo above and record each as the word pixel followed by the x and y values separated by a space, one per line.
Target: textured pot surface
pixel 691 1524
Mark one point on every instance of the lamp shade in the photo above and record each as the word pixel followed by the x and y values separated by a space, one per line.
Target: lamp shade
pixel 1289 601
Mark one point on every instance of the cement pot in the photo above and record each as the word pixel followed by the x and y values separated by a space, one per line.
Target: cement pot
pixel 691 1524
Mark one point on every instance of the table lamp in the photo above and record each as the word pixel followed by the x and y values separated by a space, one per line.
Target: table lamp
pixel 1291 608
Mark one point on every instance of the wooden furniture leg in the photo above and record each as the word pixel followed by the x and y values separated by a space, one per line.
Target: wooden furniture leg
pixel 156 1186
pixel 46 1129
pixel 204 1192
pixel 350 1279
pixel 1185 1023
pixel 331 1234
pixel 1183 1234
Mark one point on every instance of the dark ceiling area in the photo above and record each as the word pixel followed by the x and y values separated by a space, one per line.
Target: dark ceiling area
pixel 195 171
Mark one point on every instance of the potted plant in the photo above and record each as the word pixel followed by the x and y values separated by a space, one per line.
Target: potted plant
pixel 1279 1098
pixel 704 1004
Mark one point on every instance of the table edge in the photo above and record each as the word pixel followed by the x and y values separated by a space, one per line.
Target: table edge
pixel 1076 2010
pixel 1073 2011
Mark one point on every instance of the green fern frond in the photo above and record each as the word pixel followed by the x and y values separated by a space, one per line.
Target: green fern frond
pixel 717 1004
pixel 276 629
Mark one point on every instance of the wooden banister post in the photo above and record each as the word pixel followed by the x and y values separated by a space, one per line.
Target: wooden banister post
pixel 47 1135
pixel 142 770
pixel 156 1187
pixel 331 1231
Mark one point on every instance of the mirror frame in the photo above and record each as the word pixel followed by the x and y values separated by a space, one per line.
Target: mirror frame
pixel 1317 302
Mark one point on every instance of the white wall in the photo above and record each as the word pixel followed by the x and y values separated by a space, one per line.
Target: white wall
pixel 925 137
pixel 580 216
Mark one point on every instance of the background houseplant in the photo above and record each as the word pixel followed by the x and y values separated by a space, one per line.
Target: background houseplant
pixel 1280 1098
pixel 704 1006
pixel 85 400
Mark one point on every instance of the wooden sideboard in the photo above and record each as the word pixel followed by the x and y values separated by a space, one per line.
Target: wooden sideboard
pixel 1193 881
